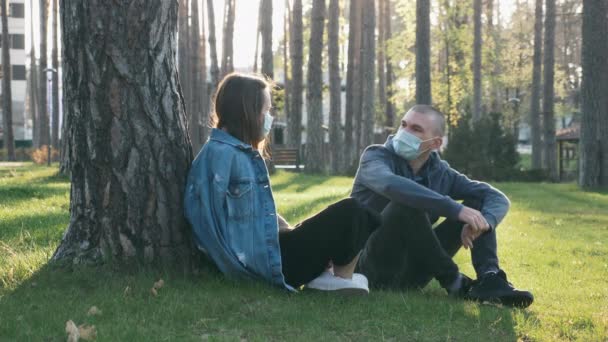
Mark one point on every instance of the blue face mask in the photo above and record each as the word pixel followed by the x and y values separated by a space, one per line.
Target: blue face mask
pixel 407 145
pixel 268 119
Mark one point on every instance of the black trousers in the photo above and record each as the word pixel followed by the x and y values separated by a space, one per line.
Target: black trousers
pixel 406 252
pixel 336 234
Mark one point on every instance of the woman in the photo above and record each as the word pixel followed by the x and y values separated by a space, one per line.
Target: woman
pixel 230 206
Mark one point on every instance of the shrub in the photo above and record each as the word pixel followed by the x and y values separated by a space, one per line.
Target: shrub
pixel 40 156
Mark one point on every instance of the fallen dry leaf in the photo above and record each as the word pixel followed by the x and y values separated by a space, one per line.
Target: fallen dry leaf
pixel 87 332
pixel 154 292
pixel 94 311
pixel 159 284
pixel 72 330
pixel 127 291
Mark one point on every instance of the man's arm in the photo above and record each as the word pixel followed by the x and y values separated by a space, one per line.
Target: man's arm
pixel 376 174
pixel 494 204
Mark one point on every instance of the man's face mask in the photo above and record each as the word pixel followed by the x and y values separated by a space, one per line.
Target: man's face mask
pixel 407 145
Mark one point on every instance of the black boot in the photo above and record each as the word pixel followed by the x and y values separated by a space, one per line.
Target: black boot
pixel 494 288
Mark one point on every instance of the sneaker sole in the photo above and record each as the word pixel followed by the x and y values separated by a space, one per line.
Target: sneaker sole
pixel 516 301
pixel 347 292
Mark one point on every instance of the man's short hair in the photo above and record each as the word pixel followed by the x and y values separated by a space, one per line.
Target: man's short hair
pixel 439 117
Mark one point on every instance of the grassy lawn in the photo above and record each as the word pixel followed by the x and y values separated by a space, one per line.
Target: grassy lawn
pixel 553 242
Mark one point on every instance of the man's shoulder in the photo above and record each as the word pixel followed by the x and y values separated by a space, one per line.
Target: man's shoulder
pixel 376 151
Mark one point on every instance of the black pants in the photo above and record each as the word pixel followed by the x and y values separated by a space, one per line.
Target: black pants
pixel 406 252
pixel 336 234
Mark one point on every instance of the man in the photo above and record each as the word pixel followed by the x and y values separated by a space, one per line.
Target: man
pixel 406 180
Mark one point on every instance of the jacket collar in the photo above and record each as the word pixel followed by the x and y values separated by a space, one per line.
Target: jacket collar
pixel 224 137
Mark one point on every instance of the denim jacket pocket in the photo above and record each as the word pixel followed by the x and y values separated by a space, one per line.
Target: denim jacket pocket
pixel 239 199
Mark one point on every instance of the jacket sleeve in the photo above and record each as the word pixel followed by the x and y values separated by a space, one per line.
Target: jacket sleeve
pixel 494 204
pixel 375 173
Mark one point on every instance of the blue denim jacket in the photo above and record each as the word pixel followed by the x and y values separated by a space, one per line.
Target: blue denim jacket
pixel 229 203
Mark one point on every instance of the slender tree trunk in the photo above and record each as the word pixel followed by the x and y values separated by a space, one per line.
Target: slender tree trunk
pixel 185 72
pixel 549 92
pixel 214 68
pixel 536 84
pixel 257 37
pixel 204 88
pixel 34 94
pixel 286 41
pixel 294 125
pixel 594 126
pixel 368 56
pixel 390 107
pixel 335 110
pixel 42 106
pixel 55 63
pixel 314 96
pixel 381 56
pixel 129 156
pixel 7 96
pixel 353 99
pixel 423 52
pixel 227 47
pixel 194 40
pixel 266 30
pixel 477 60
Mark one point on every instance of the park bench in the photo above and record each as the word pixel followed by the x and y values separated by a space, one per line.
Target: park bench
pixel 287 158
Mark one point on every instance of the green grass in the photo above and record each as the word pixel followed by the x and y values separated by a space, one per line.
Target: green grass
pixel 554 242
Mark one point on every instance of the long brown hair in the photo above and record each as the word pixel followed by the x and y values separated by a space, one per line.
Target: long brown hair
pixel 237 106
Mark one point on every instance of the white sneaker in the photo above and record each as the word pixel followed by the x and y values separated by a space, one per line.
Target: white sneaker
pixel 328 282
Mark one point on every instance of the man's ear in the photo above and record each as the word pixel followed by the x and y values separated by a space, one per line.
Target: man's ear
pixel 437 143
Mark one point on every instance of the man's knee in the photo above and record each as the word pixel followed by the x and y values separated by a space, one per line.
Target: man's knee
pixel 396 213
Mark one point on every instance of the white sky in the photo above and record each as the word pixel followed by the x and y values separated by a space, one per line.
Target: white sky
pixel 246 22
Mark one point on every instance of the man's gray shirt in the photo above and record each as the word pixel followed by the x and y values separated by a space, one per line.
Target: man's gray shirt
pixel 383 176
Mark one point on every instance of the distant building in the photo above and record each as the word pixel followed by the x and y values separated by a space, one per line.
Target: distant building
pixel 16 28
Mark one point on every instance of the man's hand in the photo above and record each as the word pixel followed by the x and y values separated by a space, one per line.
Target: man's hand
pixel 474 219
pixel 468 235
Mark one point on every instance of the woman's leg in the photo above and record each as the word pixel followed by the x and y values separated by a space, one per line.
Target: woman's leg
pixel 336 234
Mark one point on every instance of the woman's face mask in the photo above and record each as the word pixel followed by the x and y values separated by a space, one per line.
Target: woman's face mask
pixel 407 145
pixel 268 119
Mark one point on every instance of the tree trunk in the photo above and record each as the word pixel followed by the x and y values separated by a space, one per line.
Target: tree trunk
pixel 266 31
pixel 44 138
pixel 34 90
pixel 257 37
pixel 204 88
pixel 286 41
pixel 55 63
pixel 335 109
pixel 477 60
pixel 594 126
pixel 294 124
pixel 195 77
pixel 536 84
pixel 368 57
pixel 423 52
pixel 390 107
pixel 353 100
pixel 381 56
pixel 129 145
pixel 314 95
pixel 7 95
pixel 185 71
pixel 548 92
pixel 227 46
pixel 214 68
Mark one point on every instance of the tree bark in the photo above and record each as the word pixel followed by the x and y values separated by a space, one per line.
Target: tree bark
pixel 335 92
pixel 294 124
pixel 55 64
pixel 266 31
pixel 390 76
pixel 549 92
pixel 204 87
pixel 594 126
pixel 185 71
pixel 353 100
pixel 423 52
pixel 286 41
pixel 128 134
pixel 44 131
pixel 227 46
pixel 194 114
pixel 381 56
pixel 536 84
pixel 7 95
pixel 214 68
pixel 314 95
pixel 477 60
pixel 368 57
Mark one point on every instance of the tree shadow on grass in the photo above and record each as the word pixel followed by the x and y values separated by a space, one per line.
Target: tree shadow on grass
pixel 14 195
pixel 299 182
pixel 36 225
